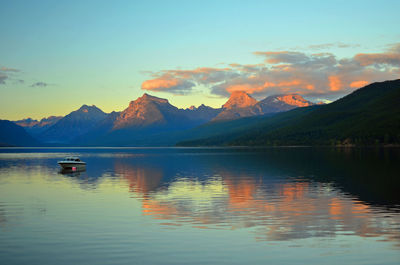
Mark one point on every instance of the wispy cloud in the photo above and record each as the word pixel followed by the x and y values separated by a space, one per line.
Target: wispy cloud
pixel 39 84
pixel 285 72
pixel 3 78
pixel 394 48
pixel 13 76
pixel 7 69
pixel 325 46
pixel 283 57
pixel 5 73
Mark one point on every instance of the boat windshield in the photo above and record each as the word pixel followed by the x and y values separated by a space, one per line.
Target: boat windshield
pixel 72 159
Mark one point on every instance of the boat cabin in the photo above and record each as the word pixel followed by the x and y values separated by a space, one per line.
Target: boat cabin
pixel 75 159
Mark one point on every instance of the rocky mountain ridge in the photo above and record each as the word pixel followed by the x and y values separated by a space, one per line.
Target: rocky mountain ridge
pixel 150 115
pixel 241 104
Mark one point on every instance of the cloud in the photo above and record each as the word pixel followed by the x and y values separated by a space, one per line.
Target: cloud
pixel 7 69
pixel 168 84
pixel 39 84
pixel 7 73
pixel 183 81
pixel 285 72
pixel 321 46
pixel 282 57
pixel 324 46
pixel 3 78
pixel 347 45
pixel 358 84
pixel 378 59
pixel 335 84
pixel 13 76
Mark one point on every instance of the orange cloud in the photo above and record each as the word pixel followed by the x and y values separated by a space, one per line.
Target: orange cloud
pixel 297 83
pixel 334 83
pixel 251 89
pixel 284 72
pixel 357 84
pixel 182 81
pixel 244 87
pixel 168 84
pixel 159 84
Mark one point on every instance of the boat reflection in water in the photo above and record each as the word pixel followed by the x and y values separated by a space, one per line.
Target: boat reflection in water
pixel 72 172
pixel 201 206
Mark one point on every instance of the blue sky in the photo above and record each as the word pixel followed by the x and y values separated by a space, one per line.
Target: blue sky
pixel 70 53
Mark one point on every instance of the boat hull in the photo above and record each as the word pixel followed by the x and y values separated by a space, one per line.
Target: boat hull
pixel 72 166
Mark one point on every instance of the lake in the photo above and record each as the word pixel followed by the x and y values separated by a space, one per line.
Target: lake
pixel 201 206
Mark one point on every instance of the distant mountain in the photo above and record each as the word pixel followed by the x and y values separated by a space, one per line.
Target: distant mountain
pixel 368 116
pixel 14 135
pixel 35 127
pixel 279 103
pixel 149 120
pixel 73 125
pixel 92 136
pixel 241 104
pixel 202 114
pixel 239 99
pixel 28 122
pixel 146 111
pixel 144 121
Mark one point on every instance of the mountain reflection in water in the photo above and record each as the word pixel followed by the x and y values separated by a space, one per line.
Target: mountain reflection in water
pixel 278 211
pixel 278 194
pixel 282 194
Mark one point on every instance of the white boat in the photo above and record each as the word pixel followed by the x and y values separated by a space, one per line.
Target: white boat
pixel 72 163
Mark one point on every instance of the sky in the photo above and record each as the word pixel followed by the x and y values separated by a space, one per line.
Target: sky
pixel 58 55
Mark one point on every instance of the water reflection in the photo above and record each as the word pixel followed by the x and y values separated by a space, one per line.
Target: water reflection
pixel 142 180
pixel 266 192
pixel 278 211
pixel 277 194
pixel 72 172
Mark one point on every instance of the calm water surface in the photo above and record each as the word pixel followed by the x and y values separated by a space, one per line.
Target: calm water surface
pixel 201 206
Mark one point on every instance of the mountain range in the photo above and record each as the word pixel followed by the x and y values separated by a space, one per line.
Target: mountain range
pixel 12 134
pixel 368 116
pixel 240 104
pixel 148 120
pixel 242 120
pixel 36 127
